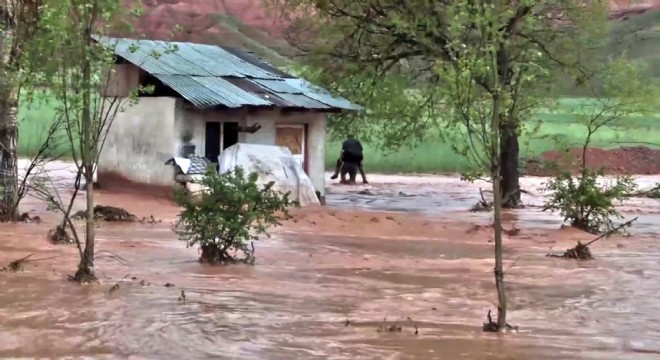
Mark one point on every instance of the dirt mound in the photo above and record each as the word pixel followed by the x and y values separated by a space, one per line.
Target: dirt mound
pixel 108 213
pixel 638 160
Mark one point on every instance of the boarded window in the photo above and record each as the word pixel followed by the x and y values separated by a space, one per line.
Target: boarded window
pixel 291 137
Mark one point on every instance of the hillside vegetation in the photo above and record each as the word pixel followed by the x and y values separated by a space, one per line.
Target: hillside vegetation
pixel 636 36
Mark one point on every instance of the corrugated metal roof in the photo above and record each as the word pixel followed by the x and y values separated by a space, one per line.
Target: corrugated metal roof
pixel 208 76
pixel 279 86
pixel 304 101
pixel 254 60
pixel 319 94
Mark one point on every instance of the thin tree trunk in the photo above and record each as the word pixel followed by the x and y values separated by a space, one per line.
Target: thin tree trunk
pixel 85 271
pixel 497 212
pixel 509 172
pixel 8 157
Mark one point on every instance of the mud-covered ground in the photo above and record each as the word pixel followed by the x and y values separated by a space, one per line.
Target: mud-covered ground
pixel 403 250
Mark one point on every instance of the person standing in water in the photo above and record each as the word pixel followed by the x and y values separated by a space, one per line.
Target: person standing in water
pixel 351 152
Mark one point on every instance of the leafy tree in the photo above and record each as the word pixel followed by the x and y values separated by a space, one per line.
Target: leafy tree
pixel 78 69
pixel 18 25
pixel 580 200
pixel 584 203
pixel 386 54
pixel 232 211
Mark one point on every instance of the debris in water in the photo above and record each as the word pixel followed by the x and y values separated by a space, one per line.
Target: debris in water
pixel 392 328
pixel 511 232
pixel 27 218
pixel 481 205
pixel 169 285
pixel 491 326
pixel 59 235
pixel 150 220
pixel 414 325
pixel 16 265
pixel 580 252
pixel 108 213
pixel 114 288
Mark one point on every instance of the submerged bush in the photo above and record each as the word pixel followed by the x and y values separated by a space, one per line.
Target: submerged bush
pixel 231 212
pixel 585 204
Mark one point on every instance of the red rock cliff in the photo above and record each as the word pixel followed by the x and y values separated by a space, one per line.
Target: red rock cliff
pixel 223 22
pixel 246 23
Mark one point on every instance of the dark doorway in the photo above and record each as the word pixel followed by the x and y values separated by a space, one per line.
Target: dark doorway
pixel 229 134
pixel 212 143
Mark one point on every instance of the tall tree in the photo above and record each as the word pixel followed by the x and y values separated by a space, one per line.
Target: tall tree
pixel 18 24
pixel 80 67
pixel 387 53
pixel 469 67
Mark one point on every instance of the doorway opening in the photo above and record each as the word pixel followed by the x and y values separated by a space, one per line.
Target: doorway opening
pixel 212 141
pixel 229 134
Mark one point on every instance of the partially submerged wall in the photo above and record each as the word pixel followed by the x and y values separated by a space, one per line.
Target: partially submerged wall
pixel 142 137
pixel 145 135
pixel 194 121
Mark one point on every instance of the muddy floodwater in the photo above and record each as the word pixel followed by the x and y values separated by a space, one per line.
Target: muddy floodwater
pixel 402 252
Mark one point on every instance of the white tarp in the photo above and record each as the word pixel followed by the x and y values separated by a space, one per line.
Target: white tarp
pixel 272 163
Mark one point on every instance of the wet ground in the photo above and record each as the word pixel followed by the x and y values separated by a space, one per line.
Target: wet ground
pixel 403 252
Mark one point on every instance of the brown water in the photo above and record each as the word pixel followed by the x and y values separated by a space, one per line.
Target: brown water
pixel 331 266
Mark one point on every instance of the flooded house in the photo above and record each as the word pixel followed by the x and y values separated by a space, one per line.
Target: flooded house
pixel 205 99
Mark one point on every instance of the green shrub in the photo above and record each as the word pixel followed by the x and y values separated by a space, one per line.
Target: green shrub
pixel 232 210
pixel 585 204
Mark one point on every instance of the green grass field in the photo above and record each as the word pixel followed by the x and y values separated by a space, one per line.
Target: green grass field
pixel 35 118
pixel 558 129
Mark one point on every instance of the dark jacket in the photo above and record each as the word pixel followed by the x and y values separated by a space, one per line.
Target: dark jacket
pixel 352 146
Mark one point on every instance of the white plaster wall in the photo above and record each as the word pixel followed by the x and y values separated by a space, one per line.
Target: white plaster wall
pixel 316 144
pixel 195 120
pixel 142 137
pixel 267 120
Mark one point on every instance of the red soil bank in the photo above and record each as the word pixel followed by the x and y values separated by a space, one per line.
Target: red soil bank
pixel 639 160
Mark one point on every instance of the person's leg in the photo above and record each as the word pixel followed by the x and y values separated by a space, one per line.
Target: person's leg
pixel 349 169
pixel 337 169
pixel 337 166
pixel 361 168
pixel 343 171
pixel 353 175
